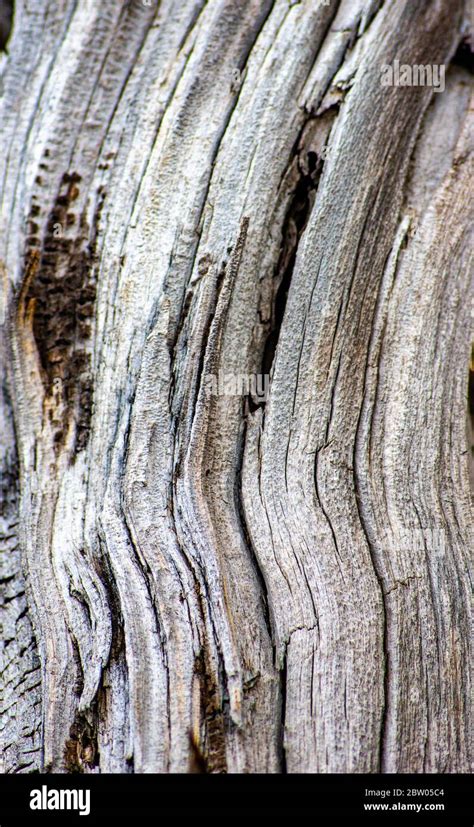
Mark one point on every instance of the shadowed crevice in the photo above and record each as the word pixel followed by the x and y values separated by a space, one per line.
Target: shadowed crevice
pixel 6 23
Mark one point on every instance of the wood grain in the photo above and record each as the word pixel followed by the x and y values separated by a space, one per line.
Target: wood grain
pixel 198 581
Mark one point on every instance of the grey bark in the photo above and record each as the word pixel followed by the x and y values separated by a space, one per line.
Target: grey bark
pixel 197 581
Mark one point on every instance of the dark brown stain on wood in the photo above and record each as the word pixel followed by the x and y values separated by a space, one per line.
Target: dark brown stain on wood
pixel 211 752
pixel 62 295
pixel 81 751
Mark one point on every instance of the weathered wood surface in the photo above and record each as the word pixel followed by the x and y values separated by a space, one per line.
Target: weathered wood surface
pixel 257 585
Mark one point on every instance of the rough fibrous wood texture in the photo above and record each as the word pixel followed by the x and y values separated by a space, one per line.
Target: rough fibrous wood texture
pixel 194 580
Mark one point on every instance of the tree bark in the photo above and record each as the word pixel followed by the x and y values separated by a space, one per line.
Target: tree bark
pixel 203 580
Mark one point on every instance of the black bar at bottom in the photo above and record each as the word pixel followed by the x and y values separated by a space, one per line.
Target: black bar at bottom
pixel 373 799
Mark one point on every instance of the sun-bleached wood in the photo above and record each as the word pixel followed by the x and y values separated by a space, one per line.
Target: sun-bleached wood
pixel 198 581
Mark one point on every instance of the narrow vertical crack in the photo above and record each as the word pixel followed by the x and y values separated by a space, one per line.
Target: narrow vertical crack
pixel 309 168
pixel 283 680
pixel 247 538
